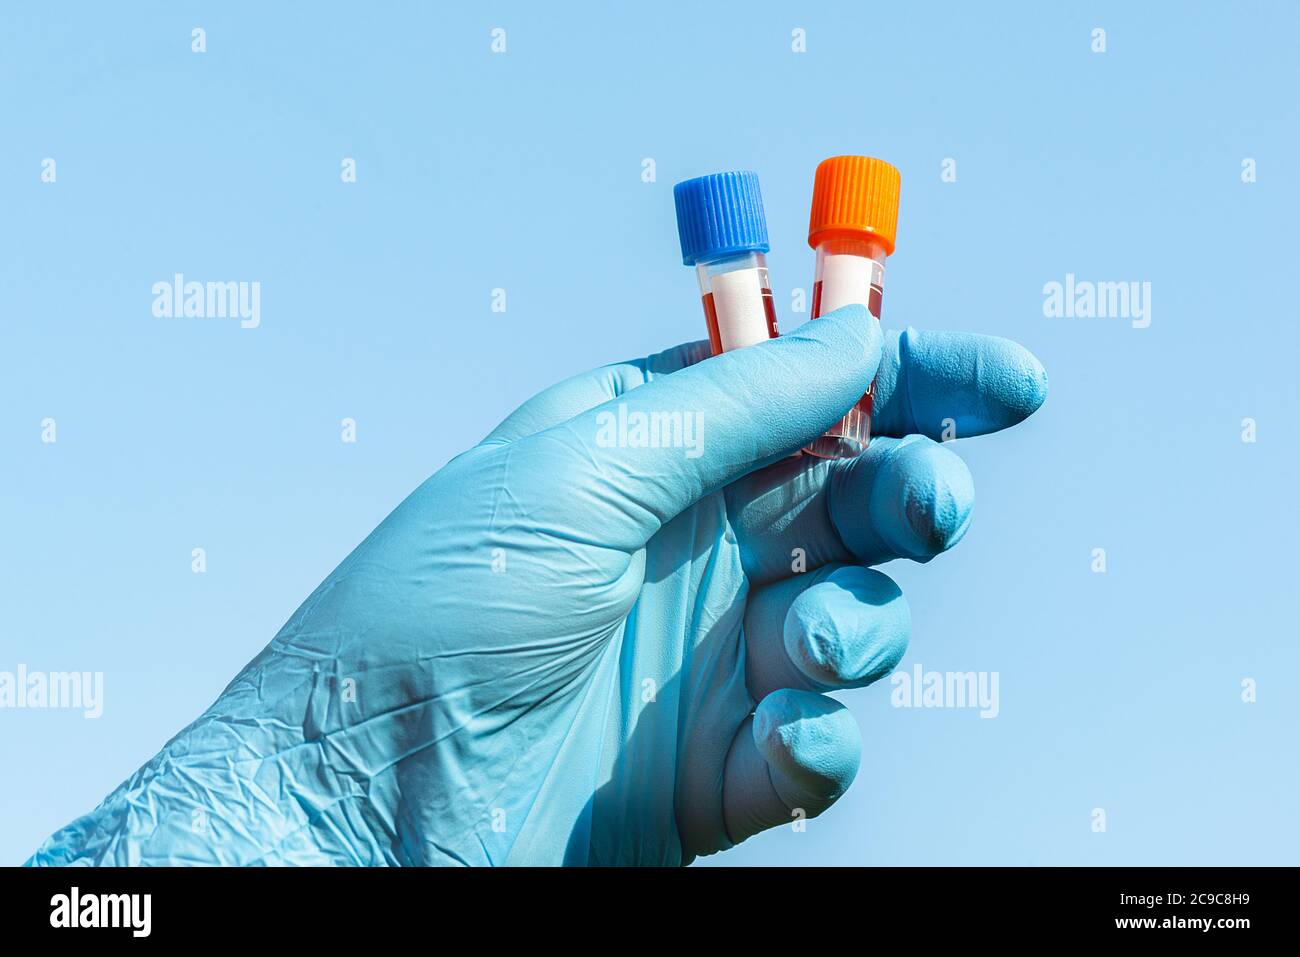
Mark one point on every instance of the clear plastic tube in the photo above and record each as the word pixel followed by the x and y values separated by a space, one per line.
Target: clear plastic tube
pixel 848 271
pixel 737 298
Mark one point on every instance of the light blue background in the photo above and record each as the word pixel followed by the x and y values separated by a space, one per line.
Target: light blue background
pixel 1118 690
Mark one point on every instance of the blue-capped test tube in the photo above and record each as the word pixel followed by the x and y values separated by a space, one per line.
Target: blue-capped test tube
pixel 723 234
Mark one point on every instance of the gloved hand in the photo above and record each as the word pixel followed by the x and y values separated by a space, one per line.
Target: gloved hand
pixel 567 646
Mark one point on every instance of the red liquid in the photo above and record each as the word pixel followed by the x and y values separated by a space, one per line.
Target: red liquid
pixel 873 300
pixel 711 317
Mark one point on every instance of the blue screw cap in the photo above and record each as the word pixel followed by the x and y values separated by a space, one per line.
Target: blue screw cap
pixel 720 215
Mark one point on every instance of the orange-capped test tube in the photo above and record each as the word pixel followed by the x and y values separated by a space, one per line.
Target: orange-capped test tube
pixel 852 226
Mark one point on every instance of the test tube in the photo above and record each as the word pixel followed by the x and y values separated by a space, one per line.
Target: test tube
pixel 723 234
pixel 852 227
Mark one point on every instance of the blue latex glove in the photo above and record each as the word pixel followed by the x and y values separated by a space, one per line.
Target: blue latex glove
pixel 565 649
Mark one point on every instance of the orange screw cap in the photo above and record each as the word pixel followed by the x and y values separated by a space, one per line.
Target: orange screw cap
pixel 854 197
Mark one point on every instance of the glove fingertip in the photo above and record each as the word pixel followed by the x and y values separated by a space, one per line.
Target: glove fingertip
pixel 959 384
pixel 1022 387
pixel 853 333
pixel 937 496
pixel 811 744
pixel 849 630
